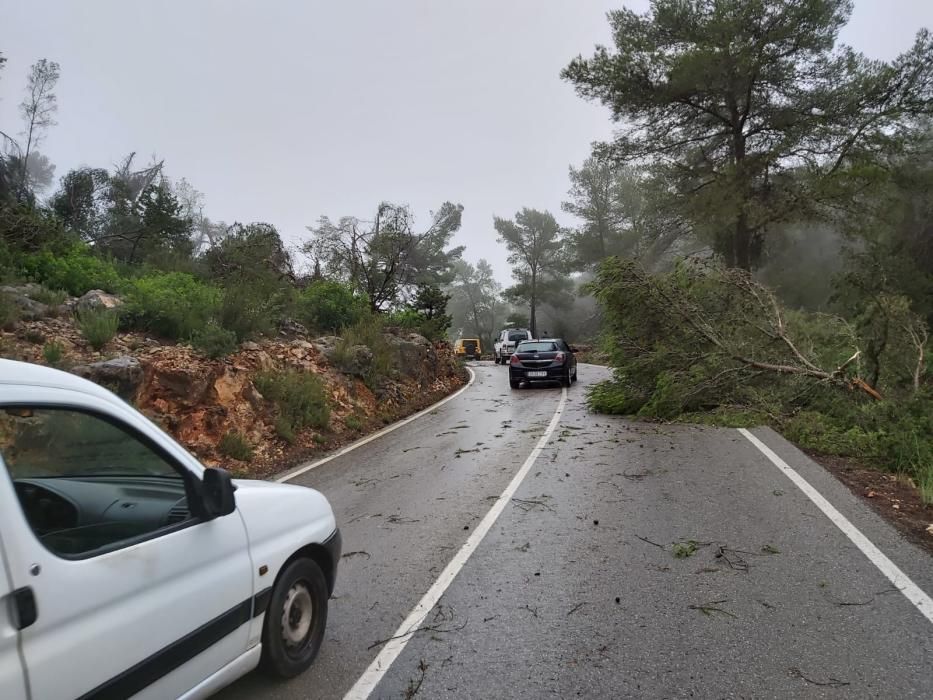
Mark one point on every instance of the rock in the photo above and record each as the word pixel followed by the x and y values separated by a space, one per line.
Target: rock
pixel 29 309
pixel 289 327
pixel 98 299
pixel 122 375
pixel 358 361
pixel 249 345
pixel 415 357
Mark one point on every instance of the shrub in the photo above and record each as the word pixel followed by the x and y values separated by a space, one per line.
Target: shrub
pixel 53 352
pixel 368 331
pixel 50 297
pixel 75 270
pixel 174 305
pixel 353 422
pixel 235 446
pixel 214 341
pixel 284 429
pixel 298 396
pixel 250 311
pixel 97 326
pixel 329 306
pixel 9 313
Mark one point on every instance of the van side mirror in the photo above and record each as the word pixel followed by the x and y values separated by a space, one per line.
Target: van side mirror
pixel 217 493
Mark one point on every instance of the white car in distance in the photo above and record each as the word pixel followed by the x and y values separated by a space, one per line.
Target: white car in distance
pixel 129 569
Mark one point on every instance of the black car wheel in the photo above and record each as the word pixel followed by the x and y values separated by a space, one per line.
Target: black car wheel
pixel 565 380
pixel 295 620
pixel 574 377
pixel 514 383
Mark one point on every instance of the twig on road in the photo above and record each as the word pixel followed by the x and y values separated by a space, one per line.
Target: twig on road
pixel 530 504
pixel 426 628
pixel 414 687
pixel 360 553
pixel 712 606
pixel 575 608
pixel 645 539
pixel 831 683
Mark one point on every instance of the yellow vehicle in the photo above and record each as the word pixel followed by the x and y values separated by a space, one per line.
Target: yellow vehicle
pixel 468 347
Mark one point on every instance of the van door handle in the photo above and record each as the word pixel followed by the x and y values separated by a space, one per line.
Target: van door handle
pixel 25 610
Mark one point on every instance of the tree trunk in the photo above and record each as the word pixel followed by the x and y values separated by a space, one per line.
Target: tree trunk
pixel 741 244
pixel 533 321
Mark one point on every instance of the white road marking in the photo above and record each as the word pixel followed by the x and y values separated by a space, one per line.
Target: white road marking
pixel 378 434
pixel 911 591
pixel 390 651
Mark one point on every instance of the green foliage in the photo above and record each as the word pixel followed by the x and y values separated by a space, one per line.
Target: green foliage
pixel 9 313
pixel 284 429
pixel 97 326
pixel 370 333
pixel 53 352
pixel 539 260
pixel 236 446
pixel 75 269
pixel 298 396
pixel 250 311
pixel 329 306
pixel 214 341
pixel 174 305
pixel 353 422
pixel 749 113
pixel 50 297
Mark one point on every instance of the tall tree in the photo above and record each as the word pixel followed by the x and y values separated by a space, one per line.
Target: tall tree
pixel 386 258
pixel 536 252
pixel 38 111
pixel 750 110
pixel 476 305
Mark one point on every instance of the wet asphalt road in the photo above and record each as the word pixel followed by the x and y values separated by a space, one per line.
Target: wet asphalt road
pixel 576 590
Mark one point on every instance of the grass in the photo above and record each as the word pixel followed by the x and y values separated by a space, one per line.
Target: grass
pixel 9 313
pixel 236 446
pixel 299 399
pixel 353 422
pixel 284 429
pixel 50 297
pixel 53 352
pixel 97 326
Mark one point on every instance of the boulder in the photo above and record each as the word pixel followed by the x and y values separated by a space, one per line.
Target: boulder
pixel 98 299
pixel 290 327
pixel 414 356
pixel 19 296
pixel 358 361
pixel 122 375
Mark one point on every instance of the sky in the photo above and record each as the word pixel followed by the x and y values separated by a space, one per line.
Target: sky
pixel 286 111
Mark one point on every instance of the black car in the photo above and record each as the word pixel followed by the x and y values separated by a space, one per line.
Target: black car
pixel 550 360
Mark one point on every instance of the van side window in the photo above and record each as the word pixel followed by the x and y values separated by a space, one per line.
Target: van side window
pixel 85 485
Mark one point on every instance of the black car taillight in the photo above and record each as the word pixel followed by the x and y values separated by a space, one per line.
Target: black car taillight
pixel 559 358
pixel 514 360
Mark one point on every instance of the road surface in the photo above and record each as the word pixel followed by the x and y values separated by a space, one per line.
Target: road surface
pixel 631 560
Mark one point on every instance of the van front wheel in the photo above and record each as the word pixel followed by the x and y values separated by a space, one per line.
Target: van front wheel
pixel 293 629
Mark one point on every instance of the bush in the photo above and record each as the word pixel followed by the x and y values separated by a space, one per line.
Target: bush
pixel 284 429
pixel 368 331
pixel 97 326
pixel 353 422
pixel 53 352
pixel 235 446
pixel 250 311
pixel 76 270
pixel 298 396
pixel 9 313
pixel 214 341
pixel 329 306
pixel 174 305
pixel 50 297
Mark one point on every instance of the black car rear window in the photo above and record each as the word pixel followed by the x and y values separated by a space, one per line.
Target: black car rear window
pixel 517 337
pixel 537 347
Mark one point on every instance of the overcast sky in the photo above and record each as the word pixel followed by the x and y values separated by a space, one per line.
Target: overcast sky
pixel 286 111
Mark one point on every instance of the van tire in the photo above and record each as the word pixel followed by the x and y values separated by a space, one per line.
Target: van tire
pixel 287 647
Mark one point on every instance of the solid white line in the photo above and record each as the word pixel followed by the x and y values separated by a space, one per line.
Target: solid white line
pixel 390 651
pixel 911 591
pixel 378 434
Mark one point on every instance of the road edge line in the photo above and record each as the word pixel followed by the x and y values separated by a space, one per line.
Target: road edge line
pixel 288 476
pixel 373 674
pixel 891 571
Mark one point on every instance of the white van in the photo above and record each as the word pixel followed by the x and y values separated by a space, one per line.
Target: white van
pixel 128 569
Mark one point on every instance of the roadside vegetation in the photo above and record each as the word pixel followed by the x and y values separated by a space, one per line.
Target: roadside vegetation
pixel 773 256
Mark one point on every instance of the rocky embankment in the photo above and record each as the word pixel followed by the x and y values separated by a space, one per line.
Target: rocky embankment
pixel 200 400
